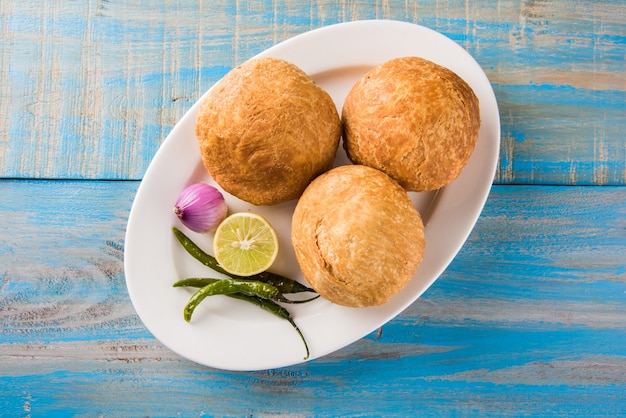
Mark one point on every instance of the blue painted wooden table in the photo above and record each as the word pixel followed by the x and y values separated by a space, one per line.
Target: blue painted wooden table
pixel 528 320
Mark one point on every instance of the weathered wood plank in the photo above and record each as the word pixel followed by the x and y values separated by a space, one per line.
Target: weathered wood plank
pixel 528 320
pixel 90 89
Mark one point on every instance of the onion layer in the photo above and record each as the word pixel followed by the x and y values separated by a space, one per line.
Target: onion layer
pixel 201 207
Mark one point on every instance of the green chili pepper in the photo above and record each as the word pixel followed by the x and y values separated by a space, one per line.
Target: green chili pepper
pixel 275 309
pixel 204 281
pixel 284 284
pixel 197 252
pixel 259 289
pixel 257 293
pixel 229 287
pixel 194 282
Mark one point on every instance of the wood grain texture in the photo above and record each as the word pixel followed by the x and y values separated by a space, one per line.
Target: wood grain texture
pixel 91 89
pixel 528 320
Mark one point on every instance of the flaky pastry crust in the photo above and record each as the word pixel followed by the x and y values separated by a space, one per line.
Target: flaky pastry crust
pixel 266 130
pixel 357 236
pixel 413 119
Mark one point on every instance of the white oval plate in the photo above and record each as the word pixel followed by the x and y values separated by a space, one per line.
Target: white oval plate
pixel 230 334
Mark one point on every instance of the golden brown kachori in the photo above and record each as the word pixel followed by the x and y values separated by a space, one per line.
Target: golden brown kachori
pixel 266 130
pixel 357 236
pixel 413 119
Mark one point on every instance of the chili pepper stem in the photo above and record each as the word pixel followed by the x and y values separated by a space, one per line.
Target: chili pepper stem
pixel 281 298
pixel 306 347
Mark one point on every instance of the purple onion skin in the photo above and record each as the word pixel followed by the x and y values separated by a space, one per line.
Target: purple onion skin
pixel 201 207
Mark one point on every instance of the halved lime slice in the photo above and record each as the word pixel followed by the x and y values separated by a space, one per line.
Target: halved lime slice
pixel 245 243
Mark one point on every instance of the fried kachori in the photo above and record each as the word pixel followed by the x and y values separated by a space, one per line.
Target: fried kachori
pixel 413 119
pixel 358 239
pixel 266 130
